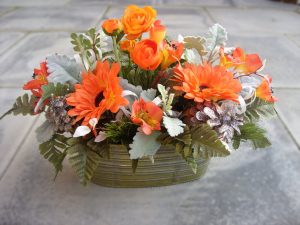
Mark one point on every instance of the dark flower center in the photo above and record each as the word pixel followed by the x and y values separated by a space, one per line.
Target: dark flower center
pixel 99 98
pixel 203 87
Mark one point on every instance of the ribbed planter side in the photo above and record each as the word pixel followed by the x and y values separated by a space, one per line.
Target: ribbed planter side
pixel 169 168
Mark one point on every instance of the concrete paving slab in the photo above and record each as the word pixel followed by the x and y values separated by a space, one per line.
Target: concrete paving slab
pixel 282 56
pixel 289 110
pixel 295 38
pixel 75 18
pixel 7 40
pixel 264 4
pixel 249 187
pixel 13 129
pixel 257 20
pixel 4 9
pixel 17 65
pixel 218 3
pixel 32 3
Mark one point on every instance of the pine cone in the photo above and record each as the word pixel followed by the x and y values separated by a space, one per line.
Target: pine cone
pixel 223 119
pixel 57 113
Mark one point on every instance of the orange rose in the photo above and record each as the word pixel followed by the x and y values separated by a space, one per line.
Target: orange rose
pixel 127 45
pixel 112 26
pixel 137 20
pixel 147 54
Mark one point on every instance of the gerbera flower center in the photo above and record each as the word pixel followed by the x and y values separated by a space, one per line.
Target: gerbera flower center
pixel 99 98
pixel 202 87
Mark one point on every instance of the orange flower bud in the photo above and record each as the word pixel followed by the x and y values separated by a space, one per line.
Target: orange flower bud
pixel 112 26
pixel 172 52
pixel 264 91
pixel 137 20
pixel 147 54
pixel 127 45
pixel 157 32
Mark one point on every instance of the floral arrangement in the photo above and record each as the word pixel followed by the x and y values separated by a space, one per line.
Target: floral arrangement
pixel 145 90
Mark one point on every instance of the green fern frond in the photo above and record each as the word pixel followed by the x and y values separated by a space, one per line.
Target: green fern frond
pixel 84 161
pixel 23 105
pixel 251 132
pixel 259 109
pixel 54 151
pixel 206 144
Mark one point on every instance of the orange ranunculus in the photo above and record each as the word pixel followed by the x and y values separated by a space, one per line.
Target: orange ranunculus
pixel 147 54
pixel 127 45
pixel 206 83
pixel 112 26
pixel 146 114
pixel 39 79
pixel 157 32
pixel 241 62
pixel 264 91
pixel 172 52
pixel 137 20
pixel 100 91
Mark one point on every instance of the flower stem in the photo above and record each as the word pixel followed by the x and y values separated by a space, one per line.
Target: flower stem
pixel 117 54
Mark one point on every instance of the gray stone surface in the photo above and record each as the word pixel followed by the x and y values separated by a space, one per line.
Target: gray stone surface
pixel 250 187
pixel 54 18
pixel 257 20
pixel 28 53
pixel 32 3
pixel 289 110
pixel 13 130
pixel 7 40
pixel 263 4
pixel 295 38
pixel 281 53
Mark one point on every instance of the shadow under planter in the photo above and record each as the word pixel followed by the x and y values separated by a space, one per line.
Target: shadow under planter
pixel 168 169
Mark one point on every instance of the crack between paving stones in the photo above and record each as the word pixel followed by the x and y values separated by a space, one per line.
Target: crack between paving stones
pixel 19 147
pixel 289 131
pixel 11 46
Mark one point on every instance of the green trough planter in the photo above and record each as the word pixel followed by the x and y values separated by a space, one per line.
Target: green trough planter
pixel 168 169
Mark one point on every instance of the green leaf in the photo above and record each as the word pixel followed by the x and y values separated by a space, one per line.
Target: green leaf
pixel 197 43
pixel 251 132
pixel 259 109
pixel 144 145
pixel 182 142
pixel 63 69
pixel 217 36
pixel 52 90
pixel 23 105
pixel 54 151
pixel 167 99
pixel 45 131
pixel 174 126
pixel 148 95
pixel 205 142
pixel 84 161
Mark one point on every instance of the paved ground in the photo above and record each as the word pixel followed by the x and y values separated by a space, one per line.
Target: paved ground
pixel 250 187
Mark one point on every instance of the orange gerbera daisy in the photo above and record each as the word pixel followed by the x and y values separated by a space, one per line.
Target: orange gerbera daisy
pixel 146 114
pixel 206 83
pixel 264 91
pixel 241 62
pixel 100 91
pixel 39 79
